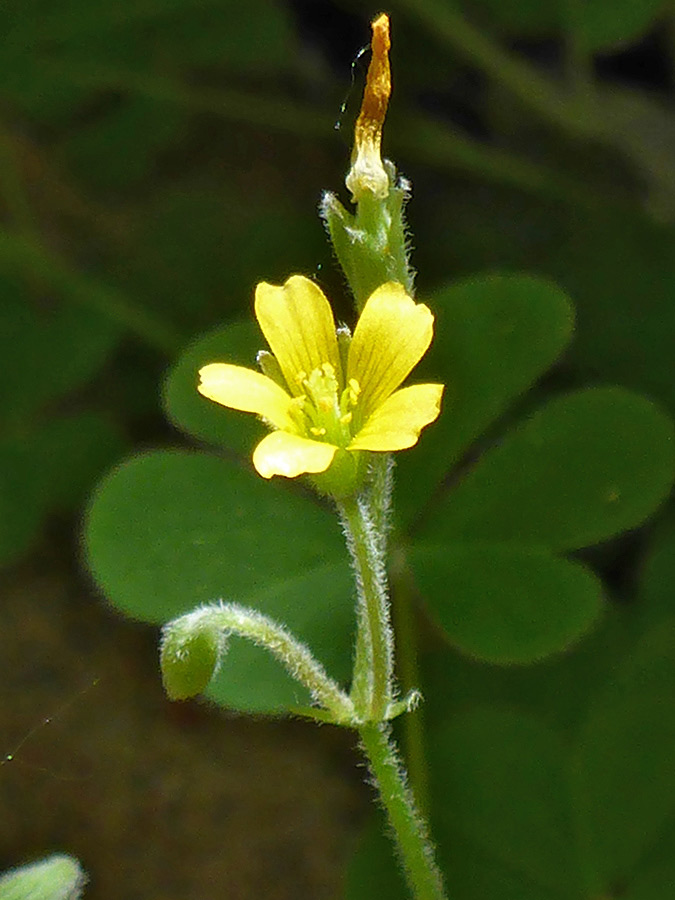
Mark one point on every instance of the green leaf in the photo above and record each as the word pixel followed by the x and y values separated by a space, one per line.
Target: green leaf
pixel 506 603
pixel 557 690
pixel 471 873
pixel 623 775
pixel 47 469
pixel 494 336
pixel 603 24
pixel 68 454
pixel 21 501
pixel 169 530
pixel 46 352
pixel 500 779
pixel 611 263
pixel 655 880
pixel 373 870
pixel 656 593
pixel 188 410
pixel 583 468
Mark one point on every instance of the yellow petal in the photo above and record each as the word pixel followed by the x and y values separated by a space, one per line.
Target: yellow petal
pixel 396 423
pixel 245 389
pixel 298 323
pixel 286 454
pixel 391 336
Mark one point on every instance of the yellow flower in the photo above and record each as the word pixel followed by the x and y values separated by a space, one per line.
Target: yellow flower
pixel 316 405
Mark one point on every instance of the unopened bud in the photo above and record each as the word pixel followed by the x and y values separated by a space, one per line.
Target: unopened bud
pixel 189 658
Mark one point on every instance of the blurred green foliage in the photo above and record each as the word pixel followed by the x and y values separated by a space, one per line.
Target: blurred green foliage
pixel 157 159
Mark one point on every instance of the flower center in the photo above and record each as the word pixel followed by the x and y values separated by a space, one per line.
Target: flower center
pixel 324 411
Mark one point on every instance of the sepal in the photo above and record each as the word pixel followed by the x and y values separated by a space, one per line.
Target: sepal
pixel 371 245
pixel 409 703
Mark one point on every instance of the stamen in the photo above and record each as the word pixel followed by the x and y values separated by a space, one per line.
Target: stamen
pixel 326 412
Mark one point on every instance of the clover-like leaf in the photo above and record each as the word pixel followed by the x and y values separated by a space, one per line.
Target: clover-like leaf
pixel 494 337
pixel 500 779
pixel 506 603
pixel 237 343
pixel 46 352
pixel 169 530
pixel 50 468
pixel 623 776
pixel 585 467
pixel 656 593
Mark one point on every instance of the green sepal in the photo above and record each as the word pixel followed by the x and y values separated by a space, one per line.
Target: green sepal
pixel 344 477
pixel 269 366
pixel 371 245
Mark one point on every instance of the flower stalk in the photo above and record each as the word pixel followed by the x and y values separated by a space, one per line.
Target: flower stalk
pixel 194 645
pixel 336 410
pixel 412 842
pixel 374 657
pixel 365 522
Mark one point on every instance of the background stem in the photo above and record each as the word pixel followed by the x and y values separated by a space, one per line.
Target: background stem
pixel 407 669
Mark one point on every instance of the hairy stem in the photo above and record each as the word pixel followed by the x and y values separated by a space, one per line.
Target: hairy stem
pixel 230 618
pixel 412 842
pixel 374 643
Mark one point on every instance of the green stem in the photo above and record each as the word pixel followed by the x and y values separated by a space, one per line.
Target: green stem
pixel 374 644
pixel 413 844
pixel 182 655
pixel 578 58
pixel 362 681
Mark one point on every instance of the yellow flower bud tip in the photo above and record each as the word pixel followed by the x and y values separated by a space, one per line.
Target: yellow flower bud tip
pixel 367 174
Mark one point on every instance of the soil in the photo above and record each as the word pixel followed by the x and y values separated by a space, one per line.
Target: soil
pixel 156 799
